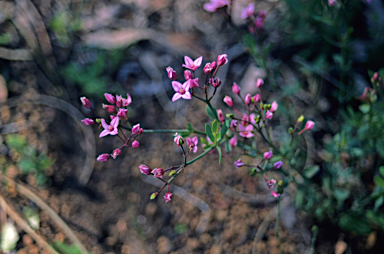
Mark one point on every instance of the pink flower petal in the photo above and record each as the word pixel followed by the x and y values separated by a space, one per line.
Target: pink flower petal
pixel 176 96
pixel 176 86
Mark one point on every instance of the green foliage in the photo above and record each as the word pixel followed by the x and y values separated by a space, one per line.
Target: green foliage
pixel 29 162
pixel 64 248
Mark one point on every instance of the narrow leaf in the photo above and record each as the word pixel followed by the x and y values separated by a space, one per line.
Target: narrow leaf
pixel 215 126
pixel 219 150
pixel 224 128
pixel 190 127
pixel 210 113
pixel 208 131
pixel 378 181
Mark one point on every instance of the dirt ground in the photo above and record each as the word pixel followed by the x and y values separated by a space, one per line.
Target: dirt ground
pixel 216 208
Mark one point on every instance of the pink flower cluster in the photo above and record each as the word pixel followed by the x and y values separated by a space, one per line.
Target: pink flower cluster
pixel 184 90
pixel 254 20
pixel 118 111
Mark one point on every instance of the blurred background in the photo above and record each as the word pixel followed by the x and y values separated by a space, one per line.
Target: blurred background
pixel 316 57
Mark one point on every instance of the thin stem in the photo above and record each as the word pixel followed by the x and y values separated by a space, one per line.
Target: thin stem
pixel 315 230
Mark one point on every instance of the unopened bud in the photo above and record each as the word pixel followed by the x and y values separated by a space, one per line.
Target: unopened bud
pixel 248 100
pixel 86 103
pixel 300 119
pixel 153 195
pixel 235 88
pixel 171 73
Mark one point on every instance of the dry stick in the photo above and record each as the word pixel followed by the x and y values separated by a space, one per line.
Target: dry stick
pixel 265 224
pixel 54 216
pixel 24 225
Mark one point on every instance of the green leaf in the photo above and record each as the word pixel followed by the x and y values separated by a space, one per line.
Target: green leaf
pixel 190 127
pixel 215 126
pixel 44 162
pixel 379 181
pixel 355 223
pixel 180 228
pixel 311 171
pixel 378 202
pixel 66 248
pixel 203 141
pixel 381 171
pixel 208 131
pixel 217 136
pixel 364 108
pixel 376 217
pixel 224 128
pixel 220 155
pixel 380 147
pixel 228 147
pixel 210 113
pixel 32 216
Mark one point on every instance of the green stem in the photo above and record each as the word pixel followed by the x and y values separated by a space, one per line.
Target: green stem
pixel 167 131
pixel 315 230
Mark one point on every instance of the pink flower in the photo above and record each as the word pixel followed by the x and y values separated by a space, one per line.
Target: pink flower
pixel 248 99
pixel 116 153
pixel 193 82
pixel 103 157
pixel 145 169
pixel 192 65
pixel 136 129
pixel 178 139
pixel 215 82
pixel 135 144
pixel 252 118
pixel 233 124
pixel 233 141
pixel 259 23
pixel 228 100
pixel 259 82
pixel 208 68
pixel 256 98
pixel 110 108
pixel 235 88
pixel 86 103
pixel 182 91
pixel 192 143
pixel 220 115
pixel 274 106
pixel 248 11
pixel 214 5
pixel 88 121
pixel 158 172
pixel 278 165
pixel 246 132
pixel 222 59
pixel 122 112
pixel 171 73
pixel 268 155
pixel 167 197
pixel 275 194
pixel 332 2
pixel 309 125
pixel 128 101
pixel 188 75
pixel 268 114
pixel 238 163
pixel 109 129
pixel 110 98
pixel 245 120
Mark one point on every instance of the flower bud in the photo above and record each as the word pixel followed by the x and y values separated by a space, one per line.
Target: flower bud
pixel 86 103
pixel 167 197
pixel 188 75
pixel 110 108
pixel 290 130
pixel 235 88
pixel 222 59
pixel 136 129
pixel 274 106
pixel 158 172
pixel 110 98
pixel 178 139
pixel 278 165
pixel 268 115
pixel 171 73
pixel 216 82
pixel 144 169
pixel 116 153
pixel 268 155
pixel 88 121
pixel 233 141
pixel 256 98
pixel 259 82
pixel 233 124
pixel 122 113
pixel 103 157
pixel 238 163
pixel 228 100
pixel 153 195
pixel 248 100
pixel 309 125
pixel 300 119
pixel 220 115
pixel 135 144
pixel 208 68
